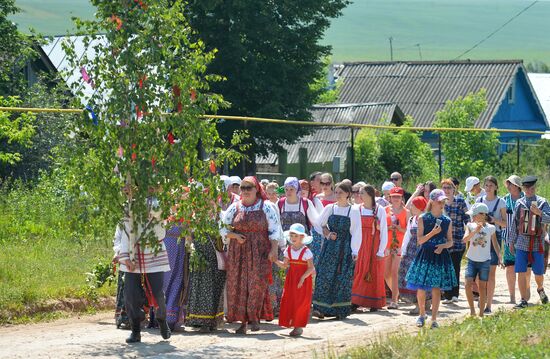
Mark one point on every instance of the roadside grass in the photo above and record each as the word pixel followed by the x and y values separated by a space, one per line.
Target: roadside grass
pixel 506 334
pixel 44 259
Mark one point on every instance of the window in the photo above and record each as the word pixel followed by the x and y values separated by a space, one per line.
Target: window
pixel 512 93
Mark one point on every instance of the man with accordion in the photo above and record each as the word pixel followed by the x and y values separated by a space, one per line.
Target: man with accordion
pixel 526 238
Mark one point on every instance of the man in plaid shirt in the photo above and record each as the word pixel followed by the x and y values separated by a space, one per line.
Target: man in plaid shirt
pixel 529 248
pixel 456 209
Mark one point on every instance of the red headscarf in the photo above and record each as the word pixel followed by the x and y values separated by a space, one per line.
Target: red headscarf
pixel 260 193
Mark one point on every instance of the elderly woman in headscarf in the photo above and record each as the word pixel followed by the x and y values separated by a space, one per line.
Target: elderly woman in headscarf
pixel 253 229
pixel 292 209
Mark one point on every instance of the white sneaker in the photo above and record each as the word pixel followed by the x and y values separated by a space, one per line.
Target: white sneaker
pixel 454 299
pixel 447 301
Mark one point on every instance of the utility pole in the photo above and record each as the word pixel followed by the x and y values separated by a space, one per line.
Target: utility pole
pixel 419 51
pixel 391 48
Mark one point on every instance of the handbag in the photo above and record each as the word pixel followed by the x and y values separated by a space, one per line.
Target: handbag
pixel 221 256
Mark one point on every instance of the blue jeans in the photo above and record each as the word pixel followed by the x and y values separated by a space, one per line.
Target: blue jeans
pixel 473 269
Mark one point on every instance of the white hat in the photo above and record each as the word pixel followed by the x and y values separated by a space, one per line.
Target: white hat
pixel 387 186
pixel 235 180
pixel 470 183
pixel 298 228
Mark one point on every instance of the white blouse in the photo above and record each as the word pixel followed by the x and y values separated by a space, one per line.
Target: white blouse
pixel 355 227
pixel 381 216
pixel 312 214
pixel 274 229
pixel 294 255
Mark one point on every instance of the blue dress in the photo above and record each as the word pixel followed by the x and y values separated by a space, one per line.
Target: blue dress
pixel 332 295
pixel 428 269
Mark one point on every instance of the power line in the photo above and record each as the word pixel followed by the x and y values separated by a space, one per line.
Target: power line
pixel 497 30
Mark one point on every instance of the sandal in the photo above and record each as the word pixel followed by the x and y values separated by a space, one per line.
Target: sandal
pixel 393 305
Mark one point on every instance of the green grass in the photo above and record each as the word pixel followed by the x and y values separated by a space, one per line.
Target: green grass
pixel 43 257
pixel 518 334
pixel 443 28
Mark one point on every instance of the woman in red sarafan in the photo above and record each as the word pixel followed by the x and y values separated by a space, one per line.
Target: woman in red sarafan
pixel 298 290
pixel 368 289
pixel 252 228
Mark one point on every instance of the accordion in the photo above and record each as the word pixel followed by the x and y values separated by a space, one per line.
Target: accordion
pixel 529 224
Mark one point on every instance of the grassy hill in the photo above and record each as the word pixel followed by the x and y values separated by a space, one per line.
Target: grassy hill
pixel 442 28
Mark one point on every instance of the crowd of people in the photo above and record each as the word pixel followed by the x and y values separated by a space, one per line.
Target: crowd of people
pixel 327 249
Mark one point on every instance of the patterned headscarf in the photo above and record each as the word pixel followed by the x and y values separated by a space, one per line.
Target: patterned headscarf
pixel 260 193
pixel 293 182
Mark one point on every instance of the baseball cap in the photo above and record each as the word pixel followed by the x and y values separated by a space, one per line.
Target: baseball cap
pixel 397 191
pixel 478 208
pixel 420 202
pixel 437 195
pixel 470 183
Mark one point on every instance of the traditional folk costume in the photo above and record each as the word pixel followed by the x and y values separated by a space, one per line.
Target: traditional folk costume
pixel 176 281
pixel 148 274
pixel 368 284
pixel 205 307
pixel 303 212
pixel 318 239
pixel 335 266
pixel 428 269
pixel 248 267
pixel 296 302
pixel 408 254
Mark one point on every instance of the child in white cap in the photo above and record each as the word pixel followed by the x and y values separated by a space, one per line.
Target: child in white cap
pixel 297 293
pixel 479 234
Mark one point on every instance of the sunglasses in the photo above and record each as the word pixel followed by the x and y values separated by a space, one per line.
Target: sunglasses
pixel 326 183
pixel 394 179
pixel 355 192
pixel 247 188
pixel 446 187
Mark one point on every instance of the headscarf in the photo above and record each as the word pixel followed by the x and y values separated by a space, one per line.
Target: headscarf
pixel 260 193
pixel 293 182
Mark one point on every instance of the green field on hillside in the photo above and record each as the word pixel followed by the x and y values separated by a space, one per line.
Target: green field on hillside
pixel 442 28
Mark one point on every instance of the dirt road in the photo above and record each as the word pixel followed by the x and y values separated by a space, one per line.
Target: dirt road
pixel 96 336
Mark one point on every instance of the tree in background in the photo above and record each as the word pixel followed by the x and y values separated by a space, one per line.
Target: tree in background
pixel 378 154
pixel 466 153
pixel 145 64
pixel 270 54
pixel 16 49
pixel 367 157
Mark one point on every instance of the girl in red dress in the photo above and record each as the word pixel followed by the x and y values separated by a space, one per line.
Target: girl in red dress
pixel 296 299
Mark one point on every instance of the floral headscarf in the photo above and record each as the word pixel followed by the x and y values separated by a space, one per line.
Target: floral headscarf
pixel 260 193
pixel 293 182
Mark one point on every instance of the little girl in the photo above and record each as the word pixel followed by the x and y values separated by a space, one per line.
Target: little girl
pixel 296 299
pixel 480 235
